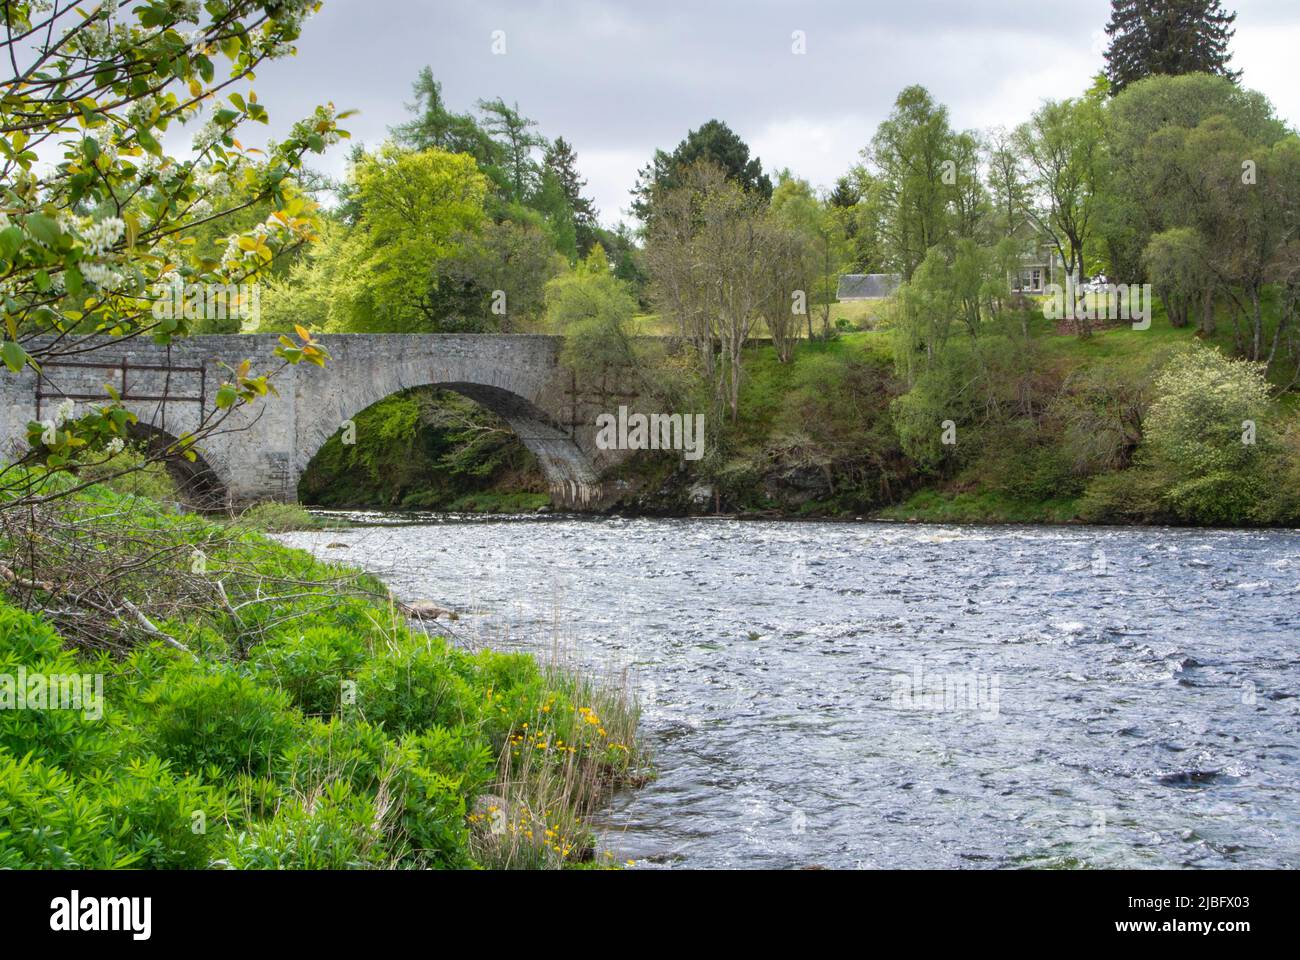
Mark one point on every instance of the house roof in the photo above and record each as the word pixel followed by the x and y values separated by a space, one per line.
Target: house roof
pixel 867 286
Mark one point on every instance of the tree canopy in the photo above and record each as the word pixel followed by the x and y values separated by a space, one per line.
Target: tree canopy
pixel 714 143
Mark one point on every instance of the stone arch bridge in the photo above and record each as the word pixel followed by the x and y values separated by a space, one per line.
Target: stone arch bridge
pixel 261 451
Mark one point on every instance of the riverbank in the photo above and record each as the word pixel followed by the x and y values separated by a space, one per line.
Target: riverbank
pixel 259 708
pixel 1141 427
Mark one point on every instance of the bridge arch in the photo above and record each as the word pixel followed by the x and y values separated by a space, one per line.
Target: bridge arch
pixel 198 482
pixel 518 393
pixel 570 476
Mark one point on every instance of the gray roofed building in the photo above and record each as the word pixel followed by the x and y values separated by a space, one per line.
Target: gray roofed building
pixel 867 286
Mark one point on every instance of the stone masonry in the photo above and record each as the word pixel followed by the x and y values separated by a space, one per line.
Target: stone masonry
pixel 261 450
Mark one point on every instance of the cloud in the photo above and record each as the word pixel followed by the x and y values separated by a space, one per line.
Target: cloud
pixel 619 78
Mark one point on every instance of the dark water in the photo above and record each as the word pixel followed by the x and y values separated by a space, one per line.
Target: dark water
pixel 873 695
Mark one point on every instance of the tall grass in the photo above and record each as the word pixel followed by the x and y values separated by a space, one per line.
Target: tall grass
pixel 556 768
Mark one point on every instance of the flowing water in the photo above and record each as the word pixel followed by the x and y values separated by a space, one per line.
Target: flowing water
pixel 879 695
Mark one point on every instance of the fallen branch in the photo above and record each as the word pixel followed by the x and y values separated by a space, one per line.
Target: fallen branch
pixel 24 582
pixel 150 629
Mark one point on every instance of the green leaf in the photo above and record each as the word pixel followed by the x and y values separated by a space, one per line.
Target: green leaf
pixel 226 396
pixel 14 356
pixel 43 228
pixel 11 239
pixel 149 143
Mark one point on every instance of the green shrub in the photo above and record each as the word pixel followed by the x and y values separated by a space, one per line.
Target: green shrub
pixel 75 740
pixel 1194 437
pixel 273 517
pixel 436 773
pixel 207 760
pixel 49 820
pixel 419 684
pixel 311 666
pixel 1038 473
pixel 350 750
pixel 1283 502
pixel 221 720
pixel 336 829
pixel 169 822
pixel 1129 496
pixel 148 480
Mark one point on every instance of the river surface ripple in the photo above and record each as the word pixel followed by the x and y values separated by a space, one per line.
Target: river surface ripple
pixel 879 695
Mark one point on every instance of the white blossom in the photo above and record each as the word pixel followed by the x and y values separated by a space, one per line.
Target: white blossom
pixel 101 275
pixel 100 237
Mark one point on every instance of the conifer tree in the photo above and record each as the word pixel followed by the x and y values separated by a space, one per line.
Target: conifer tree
pixel 1167 37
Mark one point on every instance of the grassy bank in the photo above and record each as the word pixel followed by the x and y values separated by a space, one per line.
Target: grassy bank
pixel 934 506
pixel 262 709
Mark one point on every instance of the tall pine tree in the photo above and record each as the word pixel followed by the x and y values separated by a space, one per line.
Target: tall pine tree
pixel 563 163
pixel 1167 37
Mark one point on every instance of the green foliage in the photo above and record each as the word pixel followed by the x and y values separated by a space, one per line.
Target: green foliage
pixel 1063 146
pixel 1167 37
pixel 436 773
pixel 1195 433
pixel 334 829
pixel 714 143
pixel 221 720
pixel 562 165
pixel 170 822
pixel 272 517
pixel 434 125
pixel 416 207
pixel 50 820
pixel 68 738
pixel 834 421
pixel 496 281
pixel 907 182
pixel 130 472
pixel 936 506
pixel 503 143
pixel 1129 496
pixel 311 666
pixel 250 758
pixel 944 392
pixel 95 228
pixel 419 684
pixel 592 309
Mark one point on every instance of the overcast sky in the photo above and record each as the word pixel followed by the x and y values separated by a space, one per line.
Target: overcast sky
pixel 618 78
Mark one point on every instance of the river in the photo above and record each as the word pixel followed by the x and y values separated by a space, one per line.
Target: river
pixel 882 695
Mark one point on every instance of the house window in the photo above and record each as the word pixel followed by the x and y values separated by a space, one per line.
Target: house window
pixel 1038 280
